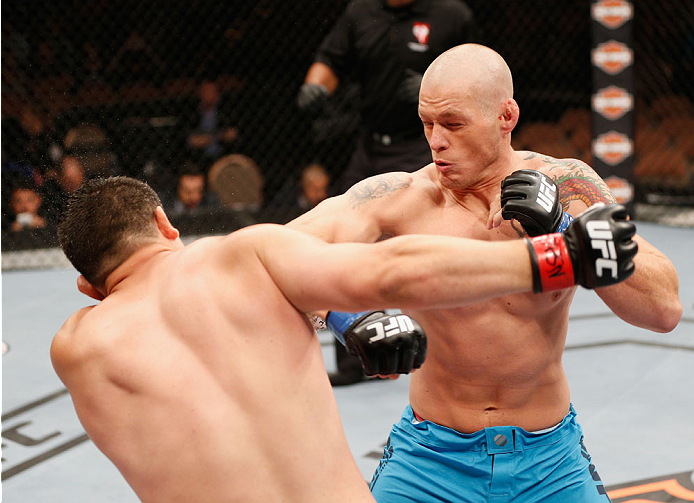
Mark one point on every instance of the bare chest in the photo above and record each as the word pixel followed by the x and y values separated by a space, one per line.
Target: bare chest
pixel 455 220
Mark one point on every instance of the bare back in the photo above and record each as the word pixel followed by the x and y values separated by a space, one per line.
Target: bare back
pixel 196 394
pixel 494 363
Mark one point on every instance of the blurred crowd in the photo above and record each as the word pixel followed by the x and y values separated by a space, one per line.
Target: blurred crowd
pixel 198 99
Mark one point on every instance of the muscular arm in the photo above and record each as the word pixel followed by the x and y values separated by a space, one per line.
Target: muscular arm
pixel 362 214
pixel 649 298
pixel 403 272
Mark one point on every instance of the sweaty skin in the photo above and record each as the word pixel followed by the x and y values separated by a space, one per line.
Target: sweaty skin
pixel 498 362
pixel 200 377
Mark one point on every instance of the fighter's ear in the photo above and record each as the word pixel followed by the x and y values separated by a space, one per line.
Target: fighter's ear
pixel 509 114
pixel 165 227
pixel 88 289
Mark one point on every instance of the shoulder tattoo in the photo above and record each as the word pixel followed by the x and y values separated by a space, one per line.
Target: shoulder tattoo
pixel 377 187
pixel 576 181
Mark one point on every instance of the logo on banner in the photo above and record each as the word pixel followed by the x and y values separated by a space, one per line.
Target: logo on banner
pixel 612 147
pixel 621 189
pixel 612 13
pixel 612 57
pixel 421 32
pixel 613 102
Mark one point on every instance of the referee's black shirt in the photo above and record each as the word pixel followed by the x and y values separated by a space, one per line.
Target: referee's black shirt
pixel 380 43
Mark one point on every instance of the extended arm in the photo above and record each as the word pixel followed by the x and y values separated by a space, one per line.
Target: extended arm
pixel 403 272
pixel 424 271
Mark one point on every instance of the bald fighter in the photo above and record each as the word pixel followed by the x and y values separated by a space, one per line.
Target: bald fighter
pixel 490 417
pixel 199 375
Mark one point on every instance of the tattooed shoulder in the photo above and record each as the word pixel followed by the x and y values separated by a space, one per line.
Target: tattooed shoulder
pixel 578 181
pixel 377 187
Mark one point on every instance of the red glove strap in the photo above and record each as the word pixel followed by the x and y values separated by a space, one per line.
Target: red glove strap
pixel 553 263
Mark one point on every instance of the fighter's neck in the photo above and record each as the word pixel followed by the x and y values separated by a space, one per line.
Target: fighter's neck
pixel 143 258
pixel 488 183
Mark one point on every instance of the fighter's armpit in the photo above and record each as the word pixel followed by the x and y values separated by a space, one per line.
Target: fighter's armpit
pixel 377 187
pixel 576 181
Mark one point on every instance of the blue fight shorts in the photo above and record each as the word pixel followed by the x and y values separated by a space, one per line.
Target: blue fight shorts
pixel 425 462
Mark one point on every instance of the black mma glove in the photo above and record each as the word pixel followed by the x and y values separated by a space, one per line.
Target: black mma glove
pixel 312 98
pixel 596 250
pixel 385 344
pixel 532 198
pixel 408 90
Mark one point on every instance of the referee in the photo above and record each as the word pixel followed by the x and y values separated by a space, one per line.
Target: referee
pixel 388 44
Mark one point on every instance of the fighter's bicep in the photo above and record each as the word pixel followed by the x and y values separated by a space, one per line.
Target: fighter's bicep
pixel 313 274
pixel 579 185
pixel 336 220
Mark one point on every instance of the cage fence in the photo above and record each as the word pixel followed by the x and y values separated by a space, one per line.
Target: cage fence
pixel 105 88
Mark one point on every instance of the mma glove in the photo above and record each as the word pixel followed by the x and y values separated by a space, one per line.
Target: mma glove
pixel 596 250
pixel 532 198
pixel 385 344
pixel 408 90
pixel 312 98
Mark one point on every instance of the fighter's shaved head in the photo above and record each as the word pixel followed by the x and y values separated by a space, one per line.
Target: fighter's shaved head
pixel 474 69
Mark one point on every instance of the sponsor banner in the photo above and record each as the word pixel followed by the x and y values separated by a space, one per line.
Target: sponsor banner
pixel 612 14
pixel 612 102
pixel 621 189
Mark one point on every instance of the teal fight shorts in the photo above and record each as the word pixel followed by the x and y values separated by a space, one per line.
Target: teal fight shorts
pixel 425 462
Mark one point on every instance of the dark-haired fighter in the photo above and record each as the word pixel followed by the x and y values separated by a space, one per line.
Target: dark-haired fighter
pixel 198 374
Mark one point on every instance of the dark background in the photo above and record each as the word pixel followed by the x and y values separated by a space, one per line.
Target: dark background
pixel 67 60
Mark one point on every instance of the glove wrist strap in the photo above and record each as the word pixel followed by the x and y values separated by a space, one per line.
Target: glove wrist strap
pixel 551 263
pixel 339 322
pixel 566 220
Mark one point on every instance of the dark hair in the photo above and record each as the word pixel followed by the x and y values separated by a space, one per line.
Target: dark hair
pixel 106 221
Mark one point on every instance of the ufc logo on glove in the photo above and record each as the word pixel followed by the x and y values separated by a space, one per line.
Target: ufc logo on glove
pixel 396 325
pixel 601 239
pixel 547 194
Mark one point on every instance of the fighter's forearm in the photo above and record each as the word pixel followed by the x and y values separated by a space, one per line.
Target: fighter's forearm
pixel 649 298
pixel 472 271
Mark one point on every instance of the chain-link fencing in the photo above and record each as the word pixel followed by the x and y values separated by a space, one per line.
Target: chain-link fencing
pixel 93 87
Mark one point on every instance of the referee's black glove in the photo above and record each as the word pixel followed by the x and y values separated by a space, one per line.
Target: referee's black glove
pixel 408 90
pixel 312 98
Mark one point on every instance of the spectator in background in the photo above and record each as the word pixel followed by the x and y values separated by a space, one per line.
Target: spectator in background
pixel 191 193
pixel 210 131
pixel 238 183
pixel 29 145
pixel 299 196
pixel 313 188
pixel 25 204
pixel 390 44
pixel 60 184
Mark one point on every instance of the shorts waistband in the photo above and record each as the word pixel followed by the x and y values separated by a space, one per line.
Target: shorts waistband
pixel 494 440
